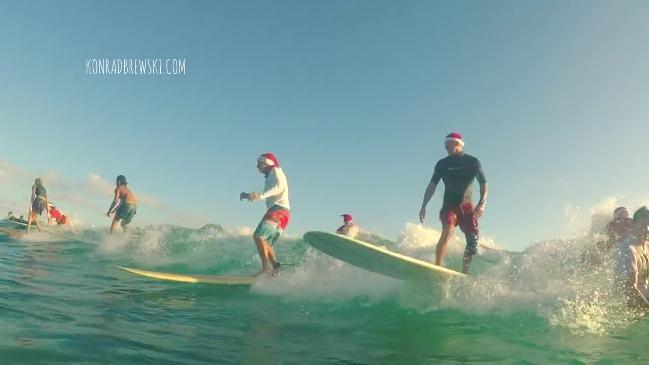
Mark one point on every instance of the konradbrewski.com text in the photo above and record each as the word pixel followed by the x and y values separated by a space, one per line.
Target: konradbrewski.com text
pixel 135 66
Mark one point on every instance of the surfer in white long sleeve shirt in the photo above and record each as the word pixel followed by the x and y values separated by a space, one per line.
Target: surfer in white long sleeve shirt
pixel 277 215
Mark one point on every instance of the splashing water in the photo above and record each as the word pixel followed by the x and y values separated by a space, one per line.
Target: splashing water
pixel 64 296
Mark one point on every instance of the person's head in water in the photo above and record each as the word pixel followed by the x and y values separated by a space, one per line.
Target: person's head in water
pixel 38 181
pixel 11 215
pixel 641 221
pixel 620 213
pixel 641 216
pixel 121 180
pixel 454 143
pixel 266 162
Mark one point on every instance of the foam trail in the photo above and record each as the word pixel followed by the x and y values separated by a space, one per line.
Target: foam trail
pixel 545 280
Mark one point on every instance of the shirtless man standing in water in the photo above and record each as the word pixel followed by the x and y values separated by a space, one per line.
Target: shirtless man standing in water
pixel 124 204
pixel 632 267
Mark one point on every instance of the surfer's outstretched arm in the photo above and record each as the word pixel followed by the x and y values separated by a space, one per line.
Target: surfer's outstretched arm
pixel 640 300
pixel 31 205
pixel 31 200
pixel 479 210
pixel 637 298
pixel 114 204
pixel 430 191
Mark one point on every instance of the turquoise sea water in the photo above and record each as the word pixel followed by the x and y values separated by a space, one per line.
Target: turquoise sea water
pixel 63 301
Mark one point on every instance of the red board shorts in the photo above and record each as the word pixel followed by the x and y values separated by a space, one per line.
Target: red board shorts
pixel 273 224
pixel 462 215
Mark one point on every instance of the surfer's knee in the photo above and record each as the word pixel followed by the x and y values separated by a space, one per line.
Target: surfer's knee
pixel 259 239
pixel 447 229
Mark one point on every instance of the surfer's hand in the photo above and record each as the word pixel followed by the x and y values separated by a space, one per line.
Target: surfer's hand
pixel 108 214
pixel 422 215
pixel 479 210
pixel 253 197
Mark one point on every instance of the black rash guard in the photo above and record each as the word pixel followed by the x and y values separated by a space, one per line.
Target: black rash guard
pixel 458 172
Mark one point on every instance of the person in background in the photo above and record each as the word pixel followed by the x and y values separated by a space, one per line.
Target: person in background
pixel 619 227
pixel 616 231
pixel 632 267
pixel 349 228
pixel 124 204
pixel 56 216
pixel 37 203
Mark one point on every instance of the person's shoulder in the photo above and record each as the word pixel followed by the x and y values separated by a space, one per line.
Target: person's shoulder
pixel 470 157
pixel 444 160
pixel 278 171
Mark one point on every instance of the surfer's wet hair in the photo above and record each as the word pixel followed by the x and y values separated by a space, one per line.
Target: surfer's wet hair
pixel 641 214
pixel 121 180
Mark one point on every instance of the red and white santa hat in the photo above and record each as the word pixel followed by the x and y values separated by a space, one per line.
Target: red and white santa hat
pixel 456 137
pixel 347 218
pixel 269 159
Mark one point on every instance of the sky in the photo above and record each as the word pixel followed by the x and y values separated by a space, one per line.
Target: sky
pixel 354 97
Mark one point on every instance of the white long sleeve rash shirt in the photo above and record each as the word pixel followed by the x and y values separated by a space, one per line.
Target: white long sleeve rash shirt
pixel 276 189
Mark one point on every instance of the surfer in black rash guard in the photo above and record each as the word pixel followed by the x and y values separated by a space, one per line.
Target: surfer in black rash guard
pixel 457 170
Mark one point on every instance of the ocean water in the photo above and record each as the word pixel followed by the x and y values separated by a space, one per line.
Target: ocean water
pixel 63 301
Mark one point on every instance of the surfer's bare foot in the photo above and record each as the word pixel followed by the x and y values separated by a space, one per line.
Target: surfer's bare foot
pixel 276 266
pixel 264 272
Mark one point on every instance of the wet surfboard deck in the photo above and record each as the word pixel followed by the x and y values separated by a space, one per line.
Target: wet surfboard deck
pixel 378 259
pixel 189 278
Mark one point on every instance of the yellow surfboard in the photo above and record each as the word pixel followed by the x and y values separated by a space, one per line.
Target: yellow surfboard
pixel 377 259
pixel 188 278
